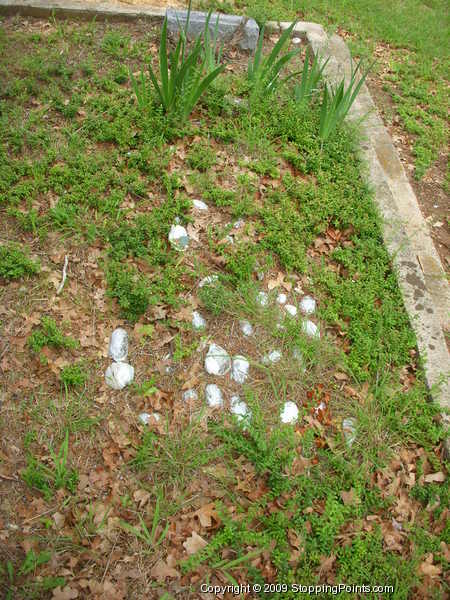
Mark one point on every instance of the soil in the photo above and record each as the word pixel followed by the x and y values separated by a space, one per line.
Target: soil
pixel 433 201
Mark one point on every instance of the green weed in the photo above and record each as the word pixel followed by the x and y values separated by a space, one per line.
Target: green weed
pixel 49 334
pixel 15 264
pixel 74 375
pixel 48 479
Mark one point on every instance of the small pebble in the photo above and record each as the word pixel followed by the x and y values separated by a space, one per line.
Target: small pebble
pixel 198 322
pixel 262 299
pixel 213 395
pixel 208 280
pixel 349 430
pixel 145 418
pixel 246 327
pixel 239 223
pixel 199 205
pixel 240 368
pixel 296 40
pixel 272 357
pixel 118 375
pixel 281 298
pixel 310 329
pixel 217 361
pixel 239 408
pixel 291 309
pixel 289 414
pixel 118 345
pixel 190 395
pixel 178 237
pixel 308 305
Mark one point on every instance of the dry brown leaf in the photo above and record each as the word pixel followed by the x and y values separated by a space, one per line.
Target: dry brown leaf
pixel 274 283
pixel 340 376
pixel 326 563
pixel 59 519
pixel 206 513
pixel 162 570
pixel 66 593
pixel 141 497
pixel 438 477
pixel 427 567
pixel 195 543
pixel 349 497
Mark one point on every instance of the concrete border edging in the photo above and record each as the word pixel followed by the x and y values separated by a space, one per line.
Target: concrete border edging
pixel 421 278
pixel 77 9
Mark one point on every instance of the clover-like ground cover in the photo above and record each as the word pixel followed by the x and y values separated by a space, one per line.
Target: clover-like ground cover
pixel 94 504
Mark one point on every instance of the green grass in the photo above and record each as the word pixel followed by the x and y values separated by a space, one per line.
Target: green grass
pixel 49 334
pixel 417 33
pixel 48 479
pixel 15 264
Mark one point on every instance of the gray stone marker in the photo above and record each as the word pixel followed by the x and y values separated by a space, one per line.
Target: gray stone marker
pixel 245 31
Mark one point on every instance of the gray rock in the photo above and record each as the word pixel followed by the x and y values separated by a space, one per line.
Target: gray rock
pixel 307 305
pixel 291 309
pixel 217 361
pixel 272 357
pixel 262 298
pixel 310 329
pixel 227 26
pixel 199 205
pixel 145 417
pixel 214 396
pixel 349 430
pixel 289 414
pixel 178 237
pixel 118 345
pixel 240 368
pixel 238 224
pixel 118 375
pixel 239 408
pixel 190 395
pixel 208 280
pixel 198 322
pixel 281 298
pixel 246 327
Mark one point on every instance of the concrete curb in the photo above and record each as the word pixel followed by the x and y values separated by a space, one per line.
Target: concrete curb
pixel 422 280
pixel 86 11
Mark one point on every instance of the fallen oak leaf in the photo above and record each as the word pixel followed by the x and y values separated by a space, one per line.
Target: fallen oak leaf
pixel 438 477
pixel 427 567
pixel 326 563
pixel 66 593
pixel 162 570
pixel 194 544
pixel 206 513
pixel 141 497
pixel 349 497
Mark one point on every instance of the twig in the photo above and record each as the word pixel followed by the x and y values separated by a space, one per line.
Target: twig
pixel 40 515
pixel 107 564
pixel 8 477
pixel 64 275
